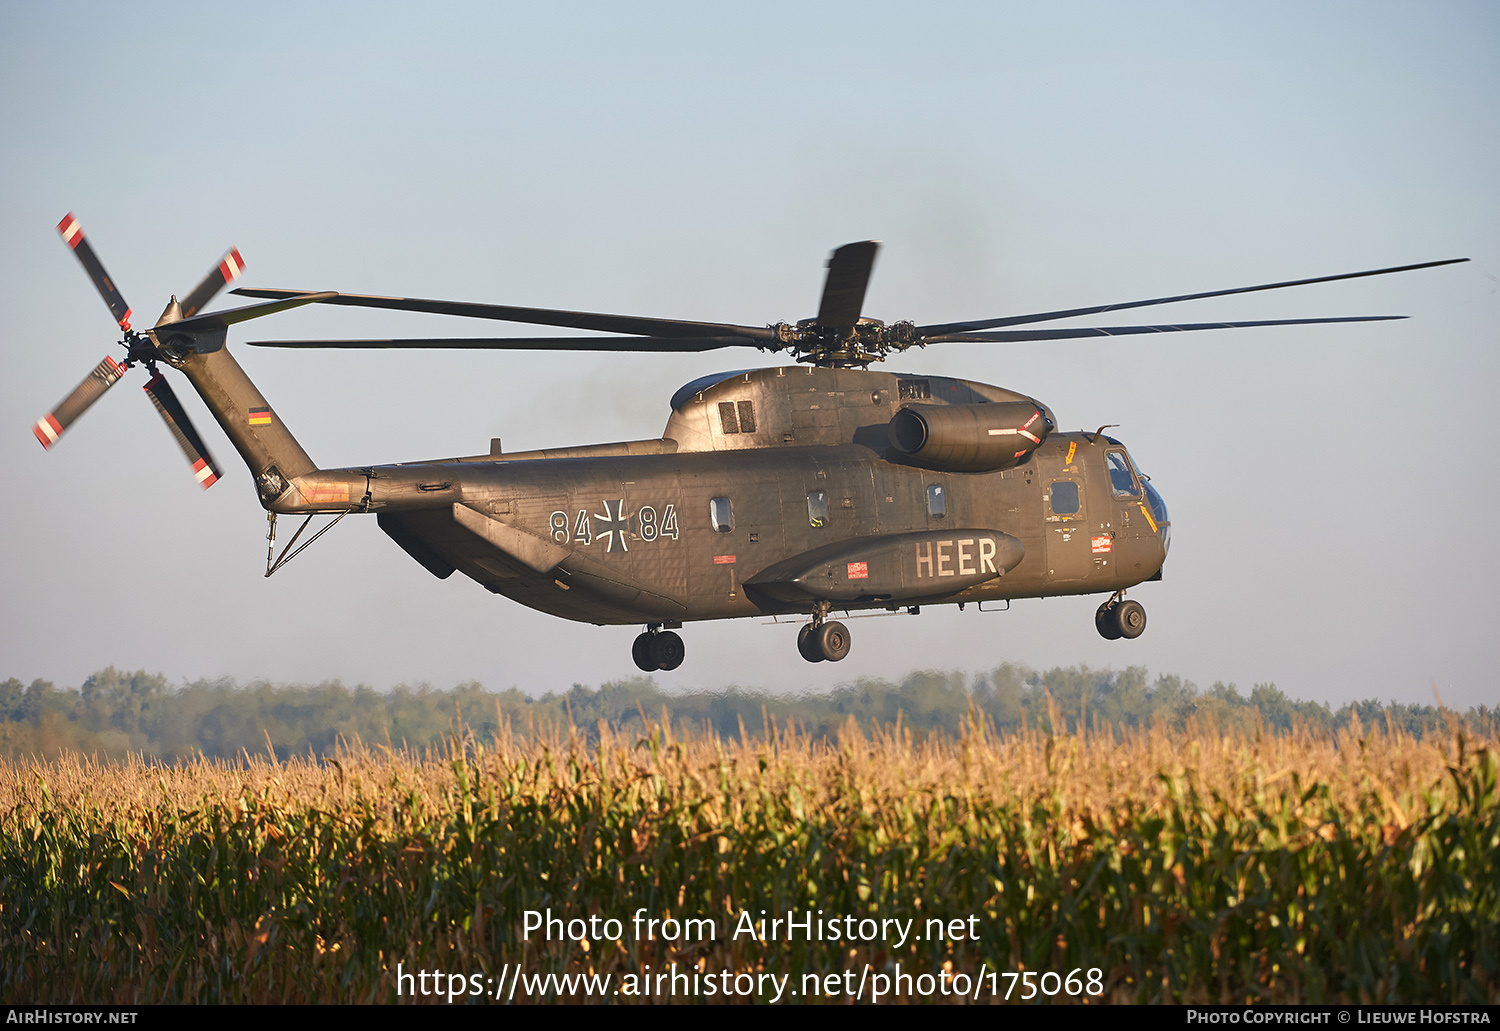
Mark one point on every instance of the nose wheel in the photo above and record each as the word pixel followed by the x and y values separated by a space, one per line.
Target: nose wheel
pixel 1119 618
pixel 658 650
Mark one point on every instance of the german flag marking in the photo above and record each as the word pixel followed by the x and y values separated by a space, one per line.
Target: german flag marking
pixel 47 430
pixel 260 417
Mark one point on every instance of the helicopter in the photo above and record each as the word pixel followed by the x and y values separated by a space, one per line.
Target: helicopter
pixel 796 490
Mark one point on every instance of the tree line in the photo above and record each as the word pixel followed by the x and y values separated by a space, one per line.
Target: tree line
pixel 115 713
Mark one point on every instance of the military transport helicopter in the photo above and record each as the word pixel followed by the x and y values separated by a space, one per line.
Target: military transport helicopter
pixel 794 490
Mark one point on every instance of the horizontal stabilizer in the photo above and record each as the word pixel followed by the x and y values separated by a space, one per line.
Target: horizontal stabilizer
pixel 204 334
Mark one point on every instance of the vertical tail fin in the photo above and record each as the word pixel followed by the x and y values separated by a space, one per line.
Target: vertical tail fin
pixel 196 346
pixel 270 451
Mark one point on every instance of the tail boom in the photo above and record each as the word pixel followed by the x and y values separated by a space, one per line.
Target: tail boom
pixel 272 454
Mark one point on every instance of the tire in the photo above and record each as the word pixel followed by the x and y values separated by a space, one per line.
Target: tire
pixel 1104 622
pixel 1130 618
pixel 640 651
pixel 807 647
pixel 833 641
pixel 667 650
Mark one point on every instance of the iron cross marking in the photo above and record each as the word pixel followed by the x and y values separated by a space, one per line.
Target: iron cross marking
pixel 612 524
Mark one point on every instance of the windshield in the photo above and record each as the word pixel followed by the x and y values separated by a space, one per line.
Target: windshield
pixel 1121 476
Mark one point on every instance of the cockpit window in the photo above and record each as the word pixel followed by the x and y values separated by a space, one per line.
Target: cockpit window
pixel 1158 506
pixel 1121 476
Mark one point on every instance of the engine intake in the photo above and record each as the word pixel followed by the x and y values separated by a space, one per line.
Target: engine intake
pixel 969 438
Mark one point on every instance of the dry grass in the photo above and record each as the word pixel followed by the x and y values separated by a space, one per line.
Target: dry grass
pixel 1195 866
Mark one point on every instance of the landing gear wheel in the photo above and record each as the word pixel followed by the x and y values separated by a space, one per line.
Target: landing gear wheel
pixel 1130 619
pixel 640 651
pixel 667 650
pixel 833 641
pixel 807 646
pixel 1104 622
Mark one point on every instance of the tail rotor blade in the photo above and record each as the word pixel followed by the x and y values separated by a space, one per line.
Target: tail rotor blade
pixel 176 418
pixel 50 426
pixel 226 272
pixel 844 289
pixel 72 235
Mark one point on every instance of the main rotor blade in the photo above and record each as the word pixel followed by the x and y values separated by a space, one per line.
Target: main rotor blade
pixel 536 316
pixel 1012 336
pixel 226 272
pixel 844 288
pixel 181 427
pixel 943 329
pixel 72 234
pixel 230 316
pixel 533 343
pixel 50 426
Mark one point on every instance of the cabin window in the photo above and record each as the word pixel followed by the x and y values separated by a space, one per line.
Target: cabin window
pixel 1121 478
pixel 937 501
pixel 721 515
pixel 817 509
pixel 1064 497
pixel 913 389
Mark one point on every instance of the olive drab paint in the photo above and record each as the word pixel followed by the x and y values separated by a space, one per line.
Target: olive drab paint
pixel 794 490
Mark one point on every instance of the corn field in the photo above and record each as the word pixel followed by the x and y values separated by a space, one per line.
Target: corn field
pixel 1150 866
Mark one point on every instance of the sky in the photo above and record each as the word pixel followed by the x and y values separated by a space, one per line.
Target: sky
pixel 1330 486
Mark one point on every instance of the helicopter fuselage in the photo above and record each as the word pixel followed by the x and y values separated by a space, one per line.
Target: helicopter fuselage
pixel 773 491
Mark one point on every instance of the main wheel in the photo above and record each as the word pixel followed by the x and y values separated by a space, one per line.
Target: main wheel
pixel 807 645
pixel 640 651
pixel 1104 622
pixel 1130 618
pixel 667 650
pixel 833 641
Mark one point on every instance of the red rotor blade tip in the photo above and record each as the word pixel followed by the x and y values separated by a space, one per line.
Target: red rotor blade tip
pixel 232 265
pixel 47 430
pixel 71 231
pixel 207 475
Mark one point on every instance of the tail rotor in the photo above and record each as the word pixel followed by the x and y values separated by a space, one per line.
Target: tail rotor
pixel 140 349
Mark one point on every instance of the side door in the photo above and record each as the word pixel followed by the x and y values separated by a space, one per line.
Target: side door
pixel 1065 516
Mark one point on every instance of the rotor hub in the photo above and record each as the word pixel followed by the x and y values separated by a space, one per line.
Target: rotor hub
pixel 868 340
